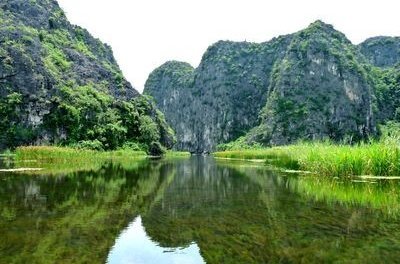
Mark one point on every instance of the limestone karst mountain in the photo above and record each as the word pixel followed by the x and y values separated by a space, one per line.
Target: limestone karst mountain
pixel 58 84
pixel 313 84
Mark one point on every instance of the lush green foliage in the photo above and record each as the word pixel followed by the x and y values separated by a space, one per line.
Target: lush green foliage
pixel 387 90
pixel 391 130
pixel 12 131
pixel 155 149
pixel 95 120
pixel 238 144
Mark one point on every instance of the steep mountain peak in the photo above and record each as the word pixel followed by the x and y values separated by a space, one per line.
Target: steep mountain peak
pixel 319 24
pixel 320 29
pixel 172 72
pixel 175 65
pixel 221 48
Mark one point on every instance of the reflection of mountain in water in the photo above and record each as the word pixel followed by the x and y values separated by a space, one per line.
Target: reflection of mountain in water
pixel 74 218
pixel 197 209
pixel 243 214
pixel 134 246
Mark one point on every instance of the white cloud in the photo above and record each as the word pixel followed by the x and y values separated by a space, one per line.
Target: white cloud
pixel 146 33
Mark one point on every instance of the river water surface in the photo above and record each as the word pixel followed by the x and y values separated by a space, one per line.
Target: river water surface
pixel 192 210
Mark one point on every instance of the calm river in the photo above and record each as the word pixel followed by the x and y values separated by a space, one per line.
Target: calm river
pixel 191 210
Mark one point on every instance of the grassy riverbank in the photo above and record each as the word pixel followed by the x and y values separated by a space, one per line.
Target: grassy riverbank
pixel 43 153
pixel 177 154
pixel 325 158
pixel 50 153
pixel 53 160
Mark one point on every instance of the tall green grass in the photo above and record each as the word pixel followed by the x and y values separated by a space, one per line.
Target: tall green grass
pixel 62 159
pixel 326 158
pixel 44 153
pixel 55 160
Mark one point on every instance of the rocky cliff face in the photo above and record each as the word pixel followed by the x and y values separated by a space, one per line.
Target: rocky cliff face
pixel 318 90
pixel 38 41
pixel 59 84
pixel 220 100
pixel 309 85
pixel 384 54
pixel 382 51
pixel 175 94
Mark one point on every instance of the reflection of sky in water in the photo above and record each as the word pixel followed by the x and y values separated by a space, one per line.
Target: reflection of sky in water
pixel 133 246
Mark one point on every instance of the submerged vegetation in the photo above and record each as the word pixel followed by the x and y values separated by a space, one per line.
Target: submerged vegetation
pixel 377 194
pixel 382 196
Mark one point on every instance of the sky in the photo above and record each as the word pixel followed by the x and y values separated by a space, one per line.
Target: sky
pixel 146 33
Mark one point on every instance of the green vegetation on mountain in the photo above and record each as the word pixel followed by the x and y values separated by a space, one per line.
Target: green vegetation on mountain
pixel 382 51
pixel 318 90
pixel 310 85
pixel 59 85
pixel 387 92
pixel 219 100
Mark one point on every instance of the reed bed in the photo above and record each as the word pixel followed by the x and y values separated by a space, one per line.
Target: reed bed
pixel 54 154
pixel 374 158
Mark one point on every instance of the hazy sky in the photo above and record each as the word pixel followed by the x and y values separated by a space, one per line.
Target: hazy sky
pixel 146 33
